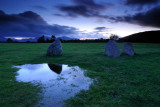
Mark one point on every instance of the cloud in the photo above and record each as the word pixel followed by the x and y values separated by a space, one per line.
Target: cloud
pixel 39 7
pixel 149 18
pixel 90 4
pixel 140 2
pixel 74 11
pixel 86 8
pixel 26 17
pixel 100 28
pixel 30 24
pixel 98 32
pixel 93 35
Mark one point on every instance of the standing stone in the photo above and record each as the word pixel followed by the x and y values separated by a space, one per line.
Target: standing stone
pixel 112 49
pixel 128 48
pixel 55 48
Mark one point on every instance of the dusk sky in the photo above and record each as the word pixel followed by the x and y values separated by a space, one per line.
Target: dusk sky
pixel 77 18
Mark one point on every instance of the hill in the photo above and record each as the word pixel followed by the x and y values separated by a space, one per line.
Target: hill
pixel 144 37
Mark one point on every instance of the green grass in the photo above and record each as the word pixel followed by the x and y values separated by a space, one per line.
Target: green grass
pixel 122 82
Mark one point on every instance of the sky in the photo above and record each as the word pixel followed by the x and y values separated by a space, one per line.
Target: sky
pixel 24 19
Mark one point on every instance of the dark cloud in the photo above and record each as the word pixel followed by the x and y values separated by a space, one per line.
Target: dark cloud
pixel 100 28
pixel 39 7
pixel 75 11
pixel 140 2
pixel 30 24
pixel 57 14
pixel 26 17
pixel 87 8
pixel 150 18
pixel 90 4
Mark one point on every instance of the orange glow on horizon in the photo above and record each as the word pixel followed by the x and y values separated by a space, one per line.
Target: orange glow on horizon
pixel 87 38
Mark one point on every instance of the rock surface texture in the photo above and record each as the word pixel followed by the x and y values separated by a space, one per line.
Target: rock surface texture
pixel 128 48
pixel 112 49
pixel 55 48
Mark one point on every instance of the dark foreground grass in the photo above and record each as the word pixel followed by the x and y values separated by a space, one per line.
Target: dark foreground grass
pixel 125 81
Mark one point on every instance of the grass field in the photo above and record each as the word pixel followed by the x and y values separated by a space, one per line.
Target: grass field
pixel 122 82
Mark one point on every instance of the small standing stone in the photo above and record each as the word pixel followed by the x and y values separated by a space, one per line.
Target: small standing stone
pixel 55 48
pixel 128 48
pixel 112 49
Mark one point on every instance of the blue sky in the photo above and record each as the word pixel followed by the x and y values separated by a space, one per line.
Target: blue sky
pixel 77 18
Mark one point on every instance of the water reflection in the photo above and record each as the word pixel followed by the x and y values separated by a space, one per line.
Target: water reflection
pixel 59 85
pixel 57 68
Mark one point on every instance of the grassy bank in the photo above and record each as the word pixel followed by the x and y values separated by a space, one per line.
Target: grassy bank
pixel 124 81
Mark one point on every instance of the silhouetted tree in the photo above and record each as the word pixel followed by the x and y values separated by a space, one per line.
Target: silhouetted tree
pixel 52 38
pixel 101 39
pixel 47 40
pixel 114 37
pixel 28 41
pixel 16 41
pixel 41 39
pixel 9 40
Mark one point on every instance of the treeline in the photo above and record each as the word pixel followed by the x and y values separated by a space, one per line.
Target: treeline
pixel 83 41
pixel 42 39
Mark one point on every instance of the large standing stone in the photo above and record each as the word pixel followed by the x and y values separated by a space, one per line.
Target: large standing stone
pixel 112 49
pixel 55 48
pixel 128 48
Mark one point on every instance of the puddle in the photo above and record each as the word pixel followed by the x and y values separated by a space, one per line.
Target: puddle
pixel 60 82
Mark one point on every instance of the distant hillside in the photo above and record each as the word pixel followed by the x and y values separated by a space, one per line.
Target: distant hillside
pixel 144 37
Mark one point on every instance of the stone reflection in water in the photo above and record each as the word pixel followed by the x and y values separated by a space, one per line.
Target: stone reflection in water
pixel 57 68
pixel 59 85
